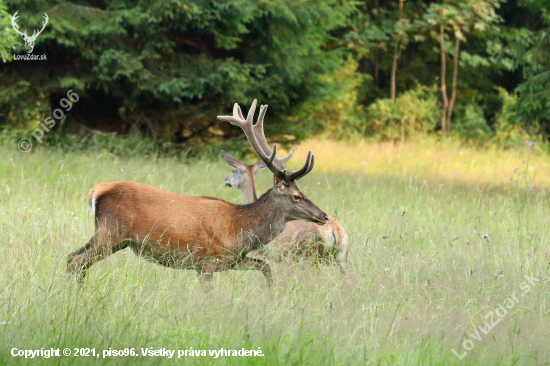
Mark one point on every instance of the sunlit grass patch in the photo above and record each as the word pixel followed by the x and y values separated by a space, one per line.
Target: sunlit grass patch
pixel 430 159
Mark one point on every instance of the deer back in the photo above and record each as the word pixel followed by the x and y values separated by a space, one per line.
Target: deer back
pixel 140 212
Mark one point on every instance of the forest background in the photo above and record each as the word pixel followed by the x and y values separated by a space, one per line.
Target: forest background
pixel 152 76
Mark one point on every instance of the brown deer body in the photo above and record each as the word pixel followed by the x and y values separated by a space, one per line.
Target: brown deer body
pixel 299 238
pixel 201 233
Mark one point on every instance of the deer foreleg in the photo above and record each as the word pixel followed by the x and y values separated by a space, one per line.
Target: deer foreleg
pixel 250 263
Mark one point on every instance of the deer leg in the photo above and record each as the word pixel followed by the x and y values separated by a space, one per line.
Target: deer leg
pixel 205 274
pixel 250 263
pixel 97 248
pixel 303 263
pixel 342 255
pixel 342 262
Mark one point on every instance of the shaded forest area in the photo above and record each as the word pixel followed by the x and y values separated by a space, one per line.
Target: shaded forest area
pixel 164 69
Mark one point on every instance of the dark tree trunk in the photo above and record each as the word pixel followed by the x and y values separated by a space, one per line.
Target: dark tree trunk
pixel 444 126
pixel 453 86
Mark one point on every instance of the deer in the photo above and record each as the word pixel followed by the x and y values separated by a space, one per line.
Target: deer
pixel 29 40
pixel 299 238
pixel 204 234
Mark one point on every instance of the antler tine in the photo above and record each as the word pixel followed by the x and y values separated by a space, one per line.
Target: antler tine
pixel 251 111
pixel 288 157
pixel 284 173
pixel 259 130
pixel 15 25
pixel 261 140
pixel 237 119
pixel 311 164
pixel 45 23
pixel 273 154
pixel 14 18
pixel 237 113
pixel 297 174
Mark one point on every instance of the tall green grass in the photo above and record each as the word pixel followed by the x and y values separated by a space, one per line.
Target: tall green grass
pixel 422 277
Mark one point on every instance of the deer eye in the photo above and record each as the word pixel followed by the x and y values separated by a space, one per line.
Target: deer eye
pixel 296 197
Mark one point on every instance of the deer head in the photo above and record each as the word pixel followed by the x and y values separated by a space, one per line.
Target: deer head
pixel 242 175
pixel 287 194
pixel 29 40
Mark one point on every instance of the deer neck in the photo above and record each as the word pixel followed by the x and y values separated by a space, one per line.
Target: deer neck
pixel 261 221
pixel 249 192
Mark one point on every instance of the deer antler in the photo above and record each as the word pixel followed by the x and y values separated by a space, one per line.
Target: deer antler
pixel 43 26
pixel 16 26
pixel 255 135
pixel 25 35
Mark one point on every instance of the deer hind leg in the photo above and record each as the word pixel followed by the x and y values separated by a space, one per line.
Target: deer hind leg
pixel 98 247
pixel 251 263
pixel 342 255
pixel 205 273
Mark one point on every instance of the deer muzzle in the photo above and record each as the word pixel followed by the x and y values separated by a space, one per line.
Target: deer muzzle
pixel 321 219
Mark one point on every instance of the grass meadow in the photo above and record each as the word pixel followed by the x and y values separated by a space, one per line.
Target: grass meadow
pixel 440 236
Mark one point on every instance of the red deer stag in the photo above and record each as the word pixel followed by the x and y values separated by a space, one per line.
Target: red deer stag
pixel 201 233
pixel 299 238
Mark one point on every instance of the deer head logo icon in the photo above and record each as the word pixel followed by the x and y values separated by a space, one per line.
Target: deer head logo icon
pixel 29 40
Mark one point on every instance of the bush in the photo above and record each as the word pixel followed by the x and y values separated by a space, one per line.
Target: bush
pixel 334 108
pixel 508 128
pixel 413 112
pixel 471 127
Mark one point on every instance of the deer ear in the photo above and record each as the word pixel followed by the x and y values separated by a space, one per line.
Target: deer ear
pixel 279 184
pixel 231 160
pixel 258 166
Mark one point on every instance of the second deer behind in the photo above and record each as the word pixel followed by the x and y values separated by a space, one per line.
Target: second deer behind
pixel 299 238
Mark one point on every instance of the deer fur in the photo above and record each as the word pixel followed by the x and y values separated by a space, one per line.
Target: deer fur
pixel 299 238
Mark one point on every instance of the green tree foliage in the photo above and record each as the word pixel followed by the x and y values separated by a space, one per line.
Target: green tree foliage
pixel 460 18
pixel 529 48
pixel 471 125
pixel 508 132
pixel 401 47
pixel 381 28
pixel 166 68
pixel 8 38
pixel 339 116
